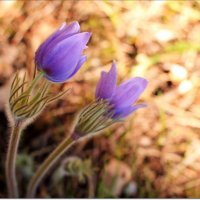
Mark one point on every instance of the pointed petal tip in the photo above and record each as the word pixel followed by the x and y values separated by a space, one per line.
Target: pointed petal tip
pixel 114 62
pixel 144 82
pixel 85 37
pixel 75 26
pixel 75 23
pixel 89 34
pixel 63 25
pixel 113 67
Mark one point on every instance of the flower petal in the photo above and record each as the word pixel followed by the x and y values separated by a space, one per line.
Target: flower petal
pixel 44 45
pixel 67 31
pixel 128 92
pixel 107 83
pixel 80 63
pixel 63 32
pixel 124 112
pixel 61 78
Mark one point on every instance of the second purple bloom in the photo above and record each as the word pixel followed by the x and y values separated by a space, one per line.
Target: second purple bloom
pixel 121 97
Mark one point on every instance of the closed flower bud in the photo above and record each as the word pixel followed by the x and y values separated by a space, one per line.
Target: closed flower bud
pixel 60 56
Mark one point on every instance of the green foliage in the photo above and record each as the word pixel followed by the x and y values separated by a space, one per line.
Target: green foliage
pixel 73 166
pixel 25 164
pixel 103 191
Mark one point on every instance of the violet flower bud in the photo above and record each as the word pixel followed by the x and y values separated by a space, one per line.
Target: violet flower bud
pixel 60 56
pixel 121 97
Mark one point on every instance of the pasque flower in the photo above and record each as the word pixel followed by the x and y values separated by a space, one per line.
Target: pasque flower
pixel 60 56
pixel 112 104
pixel 121 97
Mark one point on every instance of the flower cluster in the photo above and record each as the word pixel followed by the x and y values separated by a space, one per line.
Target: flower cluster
pixel 57 60
pixel 60 57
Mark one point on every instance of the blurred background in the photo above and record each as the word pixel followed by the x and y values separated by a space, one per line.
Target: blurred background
pixel 156 151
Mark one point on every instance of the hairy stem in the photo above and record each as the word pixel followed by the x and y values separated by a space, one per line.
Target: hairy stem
pixel 47 164
pixel 11 161
pixel 91 187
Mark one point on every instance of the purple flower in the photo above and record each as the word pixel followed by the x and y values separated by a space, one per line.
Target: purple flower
pixel 121 97
pixel 60 56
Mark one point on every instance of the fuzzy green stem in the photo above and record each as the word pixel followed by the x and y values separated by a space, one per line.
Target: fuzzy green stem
pixel 14 141
pixel 47 164
pixel 11 161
